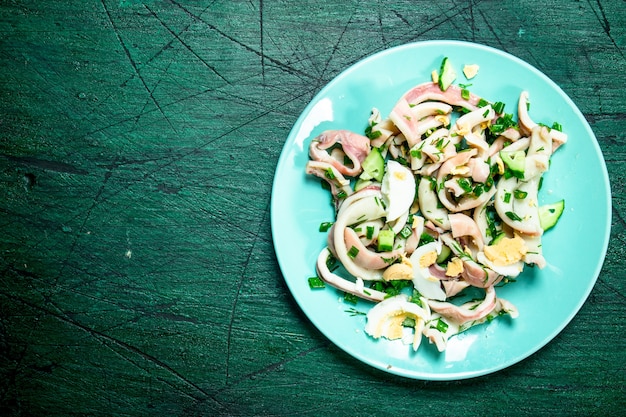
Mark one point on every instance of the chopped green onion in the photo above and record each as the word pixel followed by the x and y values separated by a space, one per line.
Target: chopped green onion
pixel 316 283
pixel 465 184
pixel 331 262
pixel 415 298
pixel 507 197
pixel 433 183
pixel 493 221
pixel 369 233
pixel 330 174
pixel 402 161
pixel 425 238
pixel 465 94
pixel 353 252
pixel 375 134
pixel 557 126
pixel 482 102
pixel 441 325
pixel 416 153
pixel 324 226
pixel 406 231
pixel 372 134
pixel 354 312
pixel 501 124
pixel 498 107
pixel 462 145
pixel 408 322
pixel 350 298
pixel 513 216
pixel 479 189
pixel 519 194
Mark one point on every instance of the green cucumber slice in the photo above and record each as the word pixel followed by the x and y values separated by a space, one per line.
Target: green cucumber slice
pixel 447 74
pixel 549 214
pixel 515 161
pixel 498 238
pixel 385 240
pixel 445 254
pixel 362 183
pixel 373 166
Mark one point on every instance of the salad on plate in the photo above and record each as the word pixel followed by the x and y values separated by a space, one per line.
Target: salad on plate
pixel 436 206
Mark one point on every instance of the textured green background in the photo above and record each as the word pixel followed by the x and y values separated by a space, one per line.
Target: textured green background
pixel 138 141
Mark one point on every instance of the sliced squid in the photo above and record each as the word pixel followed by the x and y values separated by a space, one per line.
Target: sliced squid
pixel 356 288
pixel 352 145
pixel 520 214
pixel 468 311
pixel 429 204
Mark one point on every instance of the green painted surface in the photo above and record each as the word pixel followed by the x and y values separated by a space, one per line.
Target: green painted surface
pixel 138 141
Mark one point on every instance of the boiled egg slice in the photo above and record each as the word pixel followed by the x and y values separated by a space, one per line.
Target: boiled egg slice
pixel 398 189
pixel 505 257
pixel 387 319
pixel 421 259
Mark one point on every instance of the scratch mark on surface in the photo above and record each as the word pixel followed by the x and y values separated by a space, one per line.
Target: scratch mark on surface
pixel 381 28
pixel 95 201
pixel 261 47
pixel 166 46
pixel 239 287
pixel 336 45
pixel 45 164
pixel 604 22
pixel 279 64
pixel 491 29
pixel 212 139
pixel 271 367
pixel 472 20
pixel 447 17
pixel 102 337
pixel 189 48
pixel 177 101
pixel 401 17
pixel 133 64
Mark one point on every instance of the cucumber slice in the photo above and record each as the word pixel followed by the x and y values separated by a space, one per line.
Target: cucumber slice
pixel 497 239
pixel 362 183
pixel 447 74
pixel 549 214
pixel 385 240
pixel 444 254
pixel 515 161
pixel 373 166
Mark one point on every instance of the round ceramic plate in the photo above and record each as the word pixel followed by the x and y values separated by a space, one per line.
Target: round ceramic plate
pixel 547 299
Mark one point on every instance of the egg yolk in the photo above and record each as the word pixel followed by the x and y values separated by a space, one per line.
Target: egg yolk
pixel 455 267
pixel 428 259
pixel 507 251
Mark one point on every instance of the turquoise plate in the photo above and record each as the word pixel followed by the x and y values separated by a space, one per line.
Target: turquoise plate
pixel 547 299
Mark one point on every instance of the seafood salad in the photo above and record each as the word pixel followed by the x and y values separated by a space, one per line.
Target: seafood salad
pixel 436 206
